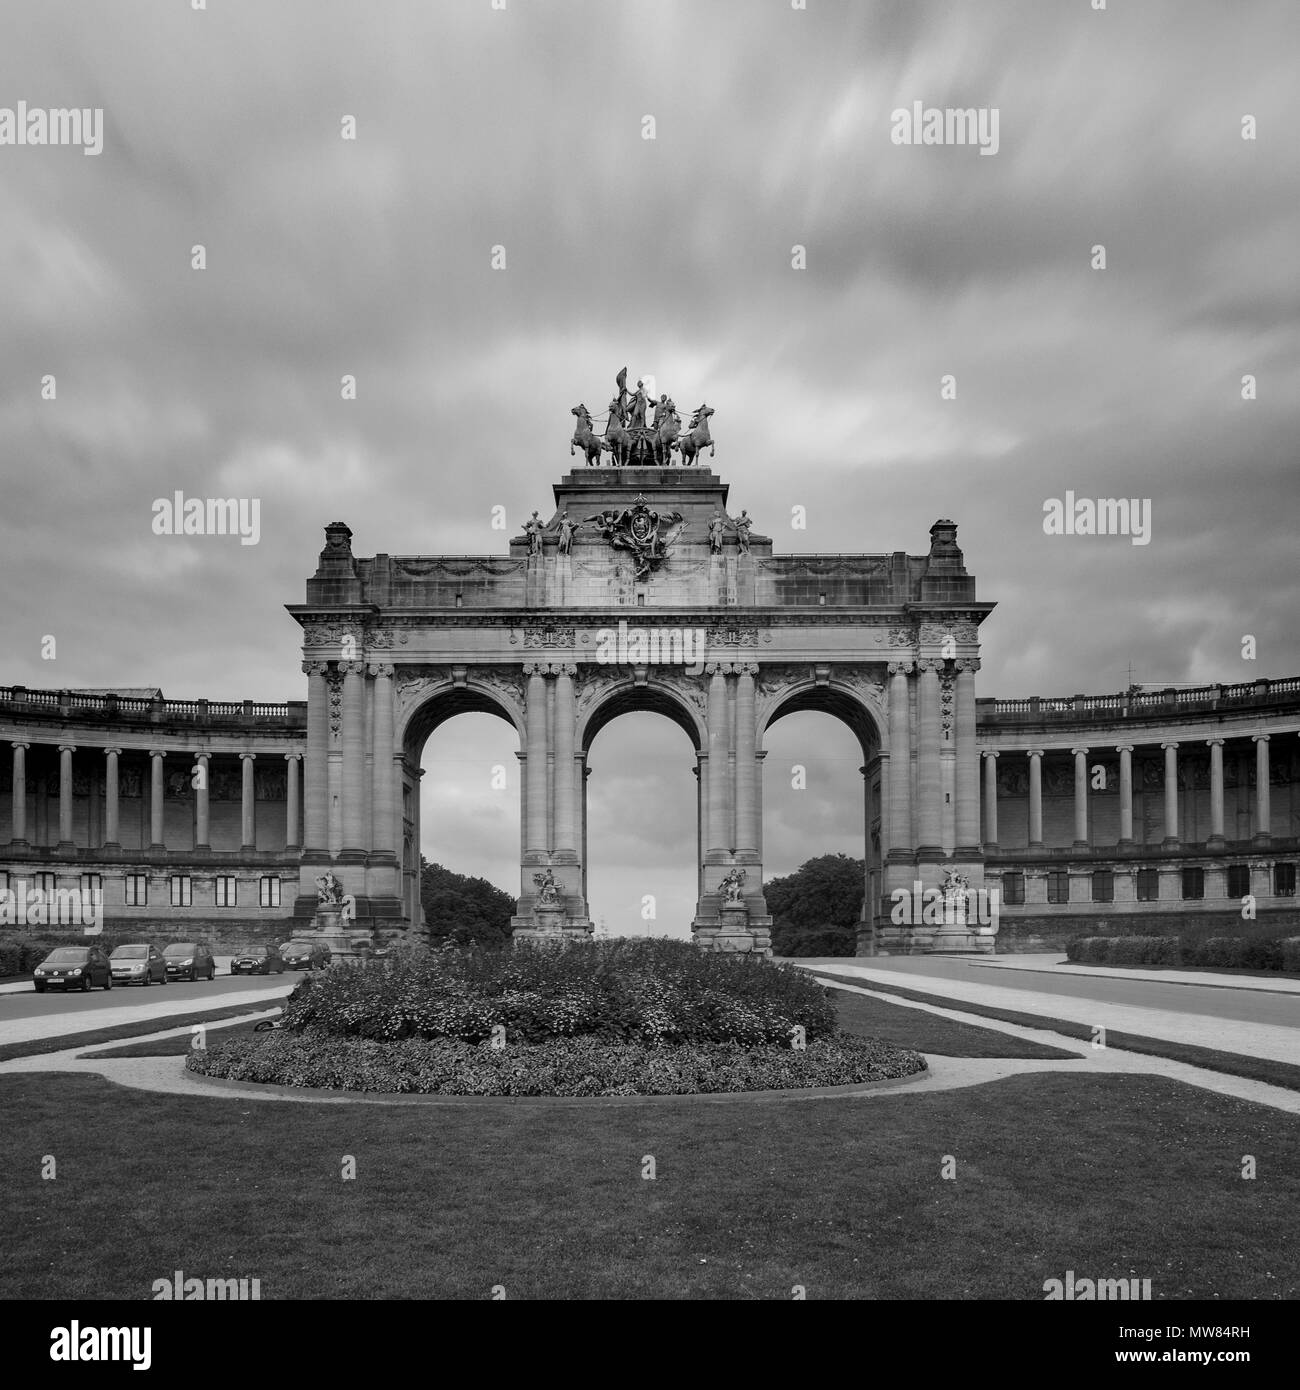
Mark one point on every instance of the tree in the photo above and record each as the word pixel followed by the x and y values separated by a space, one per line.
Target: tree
pixel 462 908
pixel 815 910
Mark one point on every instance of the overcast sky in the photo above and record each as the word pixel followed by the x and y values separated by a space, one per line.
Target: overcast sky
pixel 523 128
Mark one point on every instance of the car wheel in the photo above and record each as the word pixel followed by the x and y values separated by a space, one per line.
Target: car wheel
pixel 108 983
pixel 212 973
pixel 40 989
pixel 85 984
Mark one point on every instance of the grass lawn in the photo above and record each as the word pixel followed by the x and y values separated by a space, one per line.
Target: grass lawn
pixel 1112 1177
pixel 176 1046
pixel 38 1046
pixel 875 1018
pixel 1229 1063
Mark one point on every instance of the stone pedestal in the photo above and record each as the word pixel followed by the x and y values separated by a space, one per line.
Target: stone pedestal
pixel 549 922
pixel 735 931
pixel 329 926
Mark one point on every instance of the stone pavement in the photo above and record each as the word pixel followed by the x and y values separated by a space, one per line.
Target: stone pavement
pixel 1278 1044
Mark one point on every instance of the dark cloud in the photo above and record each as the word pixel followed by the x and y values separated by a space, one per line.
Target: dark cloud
pixel 522 128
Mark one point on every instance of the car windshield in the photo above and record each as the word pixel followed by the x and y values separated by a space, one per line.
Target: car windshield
pixel 253 951
pixel 131 953
pixel 297 946
pixel 186 948
pixel 68 955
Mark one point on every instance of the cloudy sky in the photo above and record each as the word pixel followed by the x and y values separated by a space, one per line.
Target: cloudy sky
pixel 523 127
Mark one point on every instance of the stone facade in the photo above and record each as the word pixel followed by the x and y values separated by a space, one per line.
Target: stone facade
pixel 217 818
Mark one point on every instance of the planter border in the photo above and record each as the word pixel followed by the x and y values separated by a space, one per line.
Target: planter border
pixel 267 1088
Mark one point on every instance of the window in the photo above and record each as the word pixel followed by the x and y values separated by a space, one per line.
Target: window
pixel 182 890
pixel 268 891
pixel 225 890
pixel 137 890
pixel 45 883
pixel 1013 886
pixel 92 886
pixel 1193 883
pixel 1103 885
pixel 1148 885
pixel 1238 880
pixel 1058 885
pixel 1284 880
pixel 4 881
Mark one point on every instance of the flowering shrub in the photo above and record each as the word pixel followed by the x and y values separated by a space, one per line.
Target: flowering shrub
pixel 581 1066
pixel 654 991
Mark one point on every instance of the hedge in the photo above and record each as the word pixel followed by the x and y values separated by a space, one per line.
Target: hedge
pixel 1222 952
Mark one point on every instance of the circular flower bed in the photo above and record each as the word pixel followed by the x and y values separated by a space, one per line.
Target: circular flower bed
pixel 629 1017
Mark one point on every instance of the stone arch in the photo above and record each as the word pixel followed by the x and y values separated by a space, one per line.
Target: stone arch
pixel 424 704
pixel 862 712
pixel 624 695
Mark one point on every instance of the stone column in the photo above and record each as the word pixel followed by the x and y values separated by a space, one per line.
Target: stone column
pixel 111 756
pixel 968 760
pixel 1080 797
pixel 900 763
pixel 1035 798
pixel 1263 804
pixel 990 799
pixel 202 834
pixel 1171 795
pixel 353 739
pixel 315 767
pixel 291 799
pixel 19 822
pixel 383 788
pixel 156 799
pixel 701 812
pixel 719 740
pixel 1216 840
pixel 66 750
pixel 1125 751
pixel 535 768
pixel 248 802
pixel 746 767
pixel 758 803
pixel 929 786
pixel 565 784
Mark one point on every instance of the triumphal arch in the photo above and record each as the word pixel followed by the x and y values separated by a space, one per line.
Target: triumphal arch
pixel 641 590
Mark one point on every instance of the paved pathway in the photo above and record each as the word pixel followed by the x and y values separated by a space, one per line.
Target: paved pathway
pixel 1053 962
pixel 167 1075
pixel 1213 1017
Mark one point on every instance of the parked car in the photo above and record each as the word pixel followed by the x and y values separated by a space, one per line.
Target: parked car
pixel 189 960
pixel 257 960
pixel 73 967
pixel 138 964
pixel 306 955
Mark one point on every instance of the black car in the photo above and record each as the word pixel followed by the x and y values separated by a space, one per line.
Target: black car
pixel 189 960
pixel 73 967
pixel 257 960
pixel 306 955
pixel 138 964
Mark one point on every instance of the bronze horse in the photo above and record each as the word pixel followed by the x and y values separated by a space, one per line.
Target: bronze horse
pixel 692 446
pixel 617 440
pixel 584 437
pixel 667 429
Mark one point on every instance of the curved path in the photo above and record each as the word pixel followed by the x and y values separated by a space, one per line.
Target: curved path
pixel 167 1074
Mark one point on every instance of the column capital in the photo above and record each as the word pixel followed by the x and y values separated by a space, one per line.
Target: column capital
pixel 1170 743
pixel 1033 752
pixel 203 754
pixel 352 668
pixel 900 668
pixel 550 668
pixel 1214 742
pixel 1081 749
pixel 381 668
pixel 1123 747
pixel 967 663
pixel 1259 738
pixel 928 665
pixel 315 668
pixel 111 750
pixel 249 756
pixel 157 752
pixel 67 748
pixel 20 743
pixel 989 752
pixel 288 757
